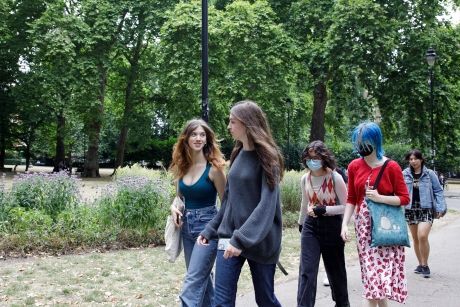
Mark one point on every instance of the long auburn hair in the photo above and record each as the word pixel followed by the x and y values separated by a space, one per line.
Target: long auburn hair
pixel 258 131
pixel 182 154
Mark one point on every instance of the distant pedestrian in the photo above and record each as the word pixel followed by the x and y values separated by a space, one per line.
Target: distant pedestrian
pixel 324 195
pixel 383 267
pixel 442 180
pixel 427 203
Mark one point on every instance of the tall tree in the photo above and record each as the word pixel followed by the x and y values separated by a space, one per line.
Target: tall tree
pixel 249 56
pixel 57 38
pixel 333 43
pixel 15 45
pixel 141 29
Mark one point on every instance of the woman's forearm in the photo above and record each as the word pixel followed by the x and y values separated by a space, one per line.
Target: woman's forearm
pixel 349 209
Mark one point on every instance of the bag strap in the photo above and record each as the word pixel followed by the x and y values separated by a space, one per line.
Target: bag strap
pixel 379 176
pixel 337 201
pixel 177 188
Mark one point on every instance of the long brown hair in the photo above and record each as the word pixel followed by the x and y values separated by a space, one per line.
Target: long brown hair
pixel 258 131
pixel 182 155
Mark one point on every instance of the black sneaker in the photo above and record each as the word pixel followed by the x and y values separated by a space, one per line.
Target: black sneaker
pixel 426 272
pixel 418 269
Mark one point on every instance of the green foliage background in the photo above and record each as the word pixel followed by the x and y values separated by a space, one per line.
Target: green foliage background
pixel 99 80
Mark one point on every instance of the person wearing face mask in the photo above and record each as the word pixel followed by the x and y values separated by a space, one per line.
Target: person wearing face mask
pixel 382 267
pixel 323 202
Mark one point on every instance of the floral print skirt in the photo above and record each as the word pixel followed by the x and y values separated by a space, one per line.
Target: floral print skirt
pixel 383 267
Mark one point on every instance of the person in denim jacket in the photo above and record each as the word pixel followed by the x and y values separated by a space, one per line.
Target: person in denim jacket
pixel 427 203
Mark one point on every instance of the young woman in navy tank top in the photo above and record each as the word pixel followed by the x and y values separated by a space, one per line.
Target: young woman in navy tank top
pixel 198 167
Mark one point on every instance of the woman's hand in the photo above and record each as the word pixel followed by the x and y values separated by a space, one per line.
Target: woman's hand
pixel 373 195
pixel 310 211
pixel 344 233
pixel 231 251
pixel 202 240
pixel 176 215
pixel 439 215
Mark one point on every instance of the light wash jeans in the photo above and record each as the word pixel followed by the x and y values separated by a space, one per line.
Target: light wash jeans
pixel 198 289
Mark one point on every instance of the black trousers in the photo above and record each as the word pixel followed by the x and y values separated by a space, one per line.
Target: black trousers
pixel 321 236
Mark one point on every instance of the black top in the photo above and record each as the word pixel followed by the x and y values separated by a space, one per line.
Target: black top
pixel 415 190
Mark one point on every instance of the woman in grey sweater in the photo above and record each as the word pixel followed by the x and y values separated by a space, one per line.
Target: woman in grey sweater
pixel 248 224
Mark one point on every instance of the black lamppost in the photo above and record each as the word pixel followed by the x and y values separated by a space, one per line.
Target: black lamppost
pixel 431 59
pixel 204 61
pixel 288 103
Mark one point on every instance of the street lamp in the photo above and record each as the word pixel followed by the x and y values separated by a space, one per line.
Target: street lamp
pixel 431 59
pixel 204 61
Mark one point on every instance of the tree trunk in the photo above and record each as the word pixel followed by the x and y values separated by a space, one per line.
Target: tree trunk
pixel 94 129
pixel 2 150
pixel 59 159
pixel 129 103
pixel 4 120
pixel 123 137
pixel 91 162
pixel 121 146
pixel 27 154
pixel 318 130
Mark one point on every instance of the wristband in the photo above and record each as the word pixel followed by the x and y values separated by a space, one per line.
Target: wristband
pixel 319 210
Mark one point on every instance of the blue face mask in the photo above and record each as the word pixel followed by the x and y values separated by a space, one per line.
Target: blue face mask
pixel 314 165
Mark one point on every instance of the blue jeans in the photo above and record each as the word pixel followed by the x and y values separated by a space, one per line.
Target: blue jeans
pixel 227 275
pixel 197 289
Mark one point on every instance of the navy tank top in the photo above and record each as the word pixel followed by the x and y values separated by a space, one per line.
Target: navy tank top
pixel 201 194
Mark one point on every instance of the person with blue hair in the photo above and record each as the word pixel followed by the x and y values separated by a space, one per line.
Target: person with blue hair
pixel 382 268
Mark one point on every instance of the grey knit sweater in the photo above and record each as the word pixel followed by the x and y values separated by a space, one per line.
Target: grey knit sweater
pixel 250 213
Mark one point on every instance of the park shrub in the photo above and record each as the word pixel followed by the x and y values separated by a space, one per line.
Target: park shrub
pixel 290 219
pixel 81 226
pixel 25 230
pixel 35 222
pixel 51 193
pixel 291 195
pixel 397 152
pixel 136 170
pixel 136 205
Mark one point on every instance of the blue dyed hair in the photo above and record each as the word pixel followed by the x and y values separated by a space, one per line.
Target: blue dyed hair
pixel 368 133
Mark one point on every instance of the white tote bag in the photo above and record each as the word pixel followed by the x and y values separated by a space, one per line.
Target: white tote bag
pixel 173 238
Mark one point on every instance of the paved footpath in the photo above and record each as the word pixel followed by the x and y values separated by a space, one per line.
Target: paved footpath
pixel 441 290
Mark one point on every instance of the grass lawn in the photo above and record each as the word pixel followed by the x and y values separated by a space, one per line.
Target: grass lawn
pixel 141 277
pixel 126 277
